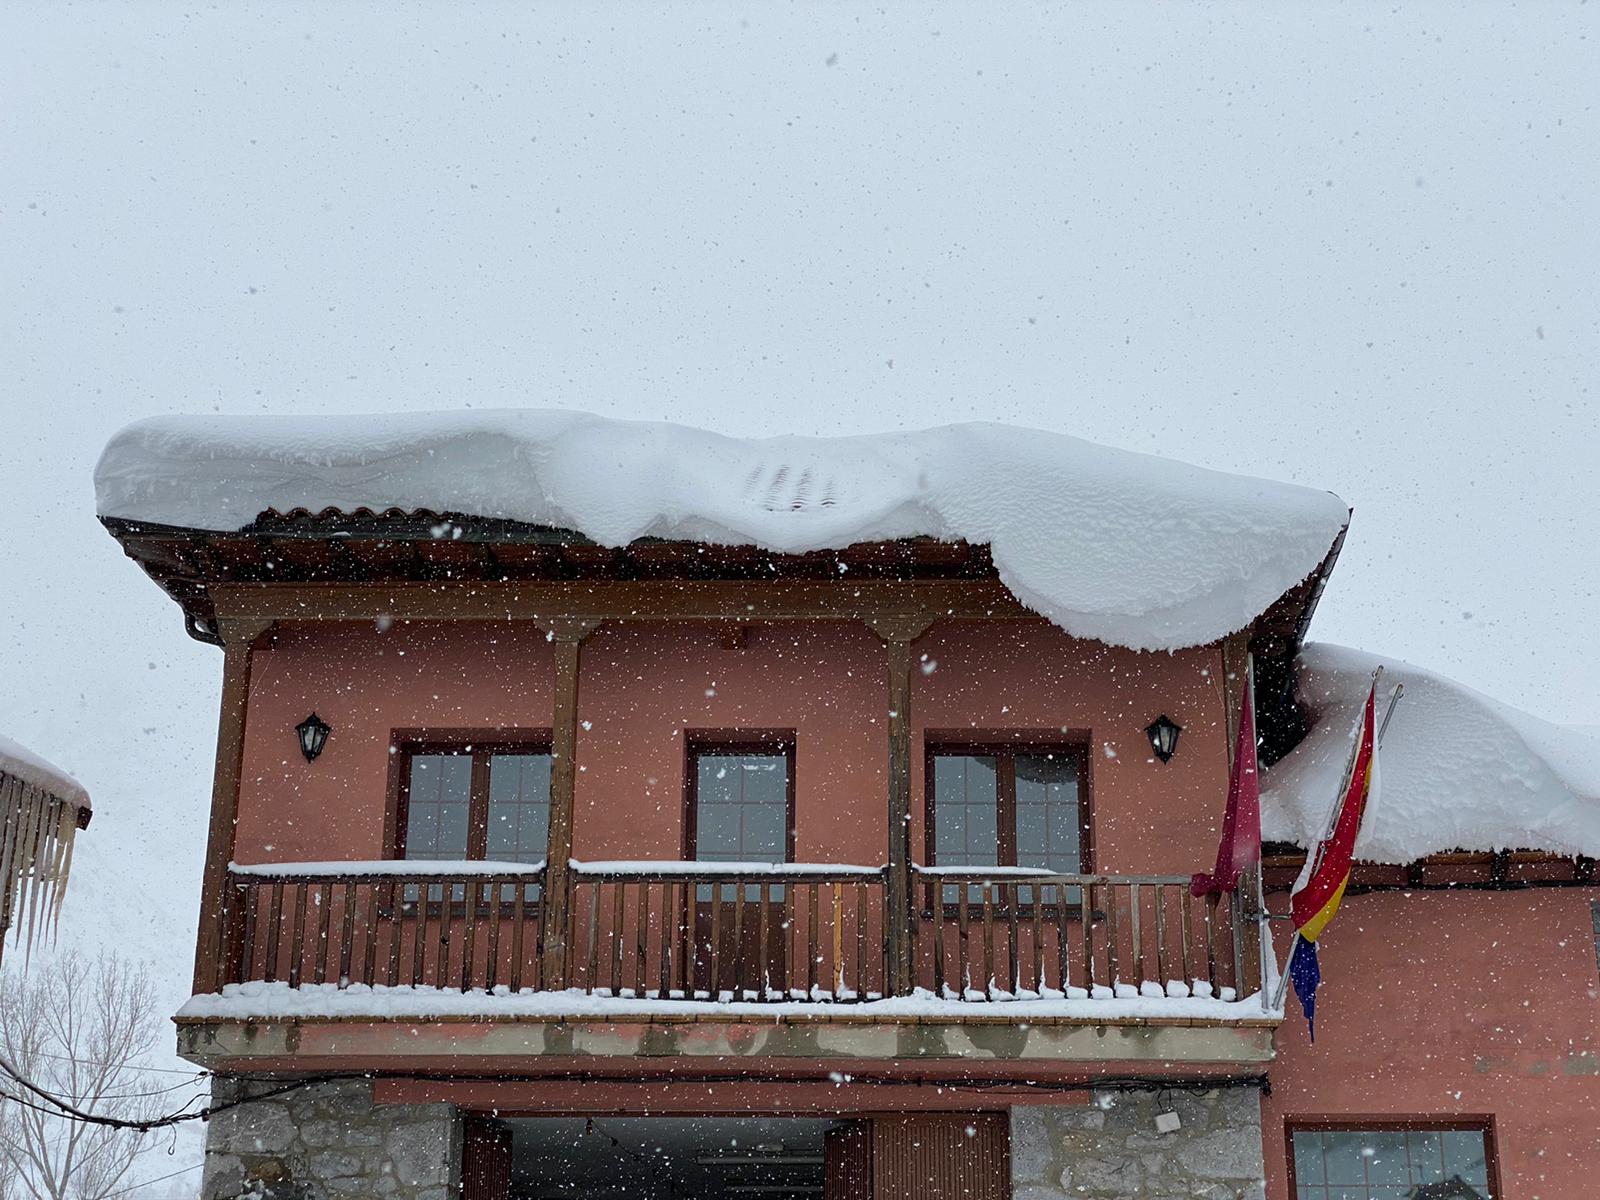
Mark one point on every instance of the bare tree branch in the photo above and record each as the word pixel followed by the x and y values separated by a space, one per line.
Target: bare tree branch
pixel 81 1030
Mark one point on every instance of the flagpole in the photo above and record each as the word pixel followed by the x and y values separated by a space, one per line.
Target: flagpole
pixel 1263 928
pixel 1388 714
pixel 1283 979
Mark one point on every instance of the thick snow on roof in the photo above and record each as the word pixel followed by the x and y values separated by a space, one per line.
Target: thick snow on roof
pixel 21 763
pixel 1128 548
pixel 1458 770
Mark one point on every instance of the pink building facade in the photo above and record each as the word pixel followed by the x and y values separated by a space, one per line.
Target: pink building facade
pixel 673 869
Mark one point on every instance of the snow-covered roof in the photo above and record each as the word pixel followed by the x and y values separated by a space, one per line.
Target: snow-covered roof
pixel 1127 548
pixel 1457 770
pixel 21 763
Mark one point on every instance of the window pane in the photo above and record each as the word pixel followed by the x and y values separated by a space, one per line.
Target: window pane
pixel 519 807
pixel 1387 1164
pixel 1427 1156
pixel 437 806
pixel 717 833
pixel 1464 1157
pixel 741 807
pixel 965 815
pixel 1048 830
pixel 1308 1158
pixel 1386 1158
pixel 1346 1164
pixel 519 813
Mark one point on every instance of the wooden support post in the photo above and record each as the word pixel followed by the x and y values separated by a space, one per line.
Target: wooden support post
pixel 568 636
pixel 1235 664
pixel 238 639
pixel 898 631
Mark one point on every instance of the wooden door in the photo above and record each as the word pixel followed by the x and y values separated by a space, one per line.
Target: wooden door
pixel 942 1157
pixel 485 1160
pixel 740 806
pixel 847 1162
pixel 738 938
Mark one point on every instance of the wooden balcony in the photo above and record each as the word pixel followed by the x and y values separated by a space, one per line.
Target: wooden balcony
pixel 646 935
pixel 692 965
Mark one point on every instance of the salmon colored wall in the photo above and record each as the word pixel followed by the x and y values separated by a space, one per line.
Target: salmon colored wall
pixel 1441 1003
pixel 642 685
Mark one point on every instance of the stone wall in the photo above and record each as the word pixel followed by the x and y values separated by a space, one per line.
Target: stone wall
pixel 326 1141
pixel 1110 1148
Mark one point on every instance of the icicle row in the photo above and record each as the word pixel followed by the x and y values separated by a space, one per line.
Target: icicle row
pixel 37 831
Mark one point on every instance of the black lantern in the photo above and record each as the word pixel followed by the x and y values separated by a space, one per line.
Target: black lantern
pixel 313 734
pixel 1163 733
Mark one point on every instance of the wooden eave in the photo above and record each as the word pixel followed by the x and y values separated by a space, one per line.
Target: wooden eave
pixel 1456 870
pixel 422 546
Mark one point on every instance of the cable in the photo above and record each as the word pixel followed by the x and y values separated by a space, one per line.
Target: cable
pixel 94 1062
pixel 158 1179
pixel 994 1087
pixel 77 1114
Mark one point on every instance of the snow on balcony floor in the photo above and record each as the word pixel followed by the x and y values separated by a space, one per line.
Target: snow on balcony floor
pixel 278 1001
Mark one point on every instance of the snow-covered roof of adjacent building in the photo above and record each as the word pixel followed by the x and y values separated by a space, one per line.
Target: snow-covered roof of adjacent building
pixel 19 762
pixel 1457 770
pixel 1127 548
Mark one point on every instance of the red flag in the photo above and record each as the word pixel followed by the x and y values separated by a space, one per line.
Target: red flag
pixel 1240 848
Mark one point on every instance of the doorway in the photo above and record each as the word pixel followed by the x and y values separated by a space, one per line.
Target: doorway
pixel 740 809
pixel 928 1157
pixel 665 1158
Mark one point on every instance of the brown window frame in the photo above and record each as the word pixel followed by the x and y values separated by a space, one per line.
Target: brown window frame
pixel 1399 1123
pixel 1008 744
pixel 734 741
pixel 483 744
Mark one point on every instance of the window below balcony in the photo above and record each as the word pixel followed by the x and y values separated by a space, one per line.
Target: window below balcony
pixel 1420 1159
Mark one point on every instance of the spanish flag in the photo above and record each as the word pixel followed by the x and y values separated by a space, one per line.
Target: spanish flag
pixel 1321 885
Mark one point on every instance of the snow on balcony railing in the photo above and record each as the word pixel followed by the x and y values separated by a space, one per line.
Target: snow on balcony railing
pixel 737 933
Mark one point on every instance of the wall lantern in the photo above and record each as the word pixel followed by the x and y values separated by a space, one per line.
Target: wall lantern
pixel 1163 734
pixel 313 734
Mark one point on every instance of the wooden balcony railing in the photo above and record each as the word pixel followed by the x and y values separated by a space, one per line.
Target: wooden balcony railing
pixel 766 933
pixel 408 923
pixel 988 933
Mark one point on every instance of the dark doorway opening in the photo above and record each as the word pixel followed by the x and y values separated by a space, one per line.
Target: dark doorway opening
pixel 667 1158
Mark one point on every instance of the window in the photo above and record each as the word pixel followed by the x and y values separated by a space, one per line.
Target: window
pixel 1007 806
pixel 1421 1159
pixel 461 797
pixel 740 800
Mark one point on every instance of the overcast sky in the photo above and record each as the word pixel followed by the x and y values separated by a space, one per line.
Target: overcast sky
pixel 1353 248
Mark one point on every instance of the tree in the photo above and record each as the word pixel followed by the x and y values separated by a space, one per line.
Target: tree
pixel 80 1030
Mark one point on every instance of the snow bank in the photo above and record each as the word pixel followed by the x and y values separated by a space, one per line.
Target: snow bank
pixel 267 1001
pixel 1458 770
pixel 1127 548
pixel 21 763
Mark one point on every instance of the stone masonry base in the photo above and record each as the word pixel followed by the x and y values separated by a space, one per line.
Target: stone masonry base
pixel 1111 1149
pixel 329 1140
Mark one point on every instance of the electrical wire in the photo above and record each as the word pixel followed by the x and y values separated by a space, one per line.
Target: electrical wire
pixel 158 1179
pixel 72 1111
pixel 94 1062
